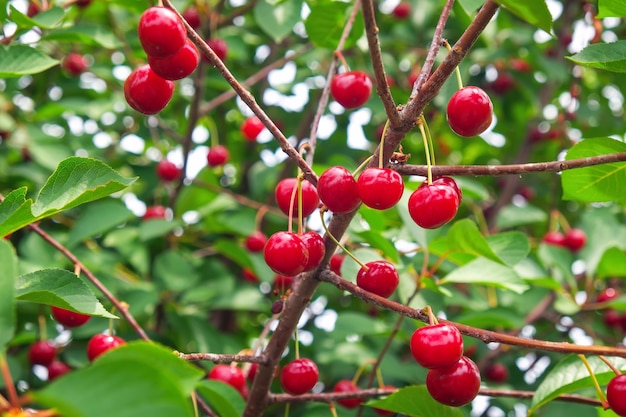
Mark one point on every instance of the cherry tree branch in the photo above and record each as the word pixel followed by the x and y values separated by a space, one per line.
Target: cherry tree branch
pixel 221 357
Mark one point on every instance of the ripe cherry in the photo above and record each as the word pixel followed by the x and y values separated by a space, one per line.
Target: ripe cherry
pixel 432 206
pixel 69 318
pixel 454 385
pixel 231 375
pixel 437 346
pixel 449 182
pixel 316 248
pixel 42 352
pixel 192 16
pixel 75 64
pixel 555 238
pixel 146 92
pixel 167 171
pixel 496 372
pixel 607 294
pixel 338 190
pixel 380 278
pixel 255 242
pixel 218 155
pixel 346 385
pixel 335 263
pixel 402 10
pixel 299 376
pixel 469 111
pixel 155 212
pixel 251 127
pixel 249 275
pixel 351 89
pixel 177 66
pixel 616 394
pixel 277 306
pixel 101 343
pixel 380 188
pixel 161 32
pixel 284 191
pixel 56 369
pixel 575 239
pixel 502 84
pixel 285 253
pixel 219 46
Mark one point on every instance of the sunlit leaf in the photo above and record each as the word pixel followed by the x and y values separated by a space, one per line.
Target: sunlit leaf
pixel 414 401
pixel 534 12
pixel 17 60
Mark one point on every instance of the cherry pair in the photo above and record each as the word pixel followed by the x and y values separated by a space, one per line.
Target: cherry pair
pixel 433 205
pixel 574 239
pixel 289 254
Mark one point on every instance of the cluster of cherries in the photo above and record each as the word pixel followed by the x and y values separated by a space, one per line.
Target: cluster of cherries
pixel 574 239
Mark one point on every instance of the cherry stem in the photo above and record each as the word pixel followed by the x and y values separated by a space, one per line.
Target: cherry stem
pixel 379 378
pixel 287 406
pixel 333 409
pixel 339 55
pixel 594 380
pixel 195 404
pixel 41 320
pixel 610 365
pixel 432 320
pixel 339 245
pixel 382 143
pixel 300 179
pixel 363 165
pixel 359 371
pixel 4 404
pixel 297 347
pixel 8 381
pixel 292 200
pixel 456 69
pixel 563 222
pixel 213 131
pixel 429 174
pixel 259 217
pixel 430 139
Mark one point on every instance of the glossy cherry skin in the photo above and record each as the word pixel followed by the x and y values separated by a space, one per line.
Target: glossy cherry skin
pixel 219 46
pixel 616 394
pixel 146 92
pixel 177 66
pixel 338 190
pixel 469 111
pixel 285 253
pixel 555 238
pixel 284 191
pixel 437 346
pixel 75 63
pixel 380 278
pixel 455 385
pixel 57 369
pixel 42 352
pixel 575 239
pixel 155 212
pixel 346 385
pixel 251 127
pixel 167 171
pixel 402 11
pixel 231 375
pixel 316 248
pixel 218 155
pixel 335 263
pixel 351 89
pixel 255 242
pixel 496 372
pixel 192 16
pixel 380 188
pixel 299 376
pixel 450 182
pixel 101 343
pixel 161 32
pixel 69 318
pixel 432 206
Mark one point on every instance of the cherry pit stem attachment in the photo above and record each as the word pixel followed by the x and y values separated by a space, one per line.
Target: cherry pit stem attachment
pixel 456 69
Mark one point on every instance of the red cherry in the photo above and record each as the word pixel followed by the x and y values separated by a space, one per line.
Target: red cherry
pixel 346 385
pixel 437 346
pixel 191 15
pixel 75 64
pixel 155 212
pixel 449 182
pixel 101 343
pixel 380 188
pixel 380 278
pixel 177 66
pixel 555 238
pixel 299 376
pixel 432 206
pixel 83 3
pixel 167 171
pixel 146 92
pixel 455 385
pixel 231 375
pixel 42 352
pixel 33 9
pixel 251 127
pixel 219 46
pixel 575 239
pixel 285 253
pixel 161 32
pixel 256 241
pixel 69 318
pixel 335 263
pixel 496 372
pixel 607 294
pixel 250 276
pixel 284 191
pixel 502 84
pixel 521 65
pixel 314 244
pixel 612 318
pixel 218 155
pixel 402 11
pixel 469 111
pixel 616 394
pixel 351 89
pixel 57 369
pixel 338 190
pixel 282 283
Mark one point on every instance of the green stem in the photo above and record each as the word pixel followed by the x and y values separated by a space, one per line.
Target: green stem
pixel 339 245
pixel 363 165
pixel 430 140
pixel 300 179
pixel 610 365
pixel 429 174
pixel 456 69
pixel 381 146
pixel 8 381
pixel 295 336
pixel 593 379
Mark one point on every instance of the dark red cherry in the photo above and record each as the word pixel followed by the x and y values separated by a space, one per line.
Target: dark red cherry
pixel 177 66
pixel 402 10
pixel 607 294
pixel 219 46
pixel 42 352
pixel 437 346
pixel 616 394
pixel 161 32
pixel 555 238
pixel 155 212
pixel 335 263
pixel 575 239
pixel 299 376
pixel 285 190
pixel 469 111
pixel 251 127
pixel 316 248
pixel 379 277
pixel 502 84
pixel 167 171
pixel 256 241
pixel 496 372
pixel 285 253
pixel 351 89
pixel 69 318
pixel 432 206
pixel 57 369
pixel 192 16
pixel 75 64
pixel 218 155
pixel 249 275
pixel 338 190
pixel 346 385
pixel 146 92
pixel 455 385
pixel 101 343
pixel 380 188
pixel 232 375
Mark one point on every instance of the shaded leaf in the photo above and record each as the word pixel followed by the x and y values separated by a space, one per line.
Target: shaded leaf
pixel 175 271
pixel 99 218
pixel 18 60
pixel 223 398
pixel 510 247
pixel 534 12
pixel 605 56
pixel 8 273
pixel 414 401
pixel 86 34
pixel 277 21
pixel 487 272
pixel 513 216
pixel 604 231
pixel 326 22
pixel 465 237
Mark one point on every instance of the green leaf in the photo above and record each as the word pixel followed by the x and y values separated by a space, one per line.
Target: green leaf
pixel 61 288
pixel 98 218
pixel 510 247
pixel 571 375
pixel 277 21
pixel 139 378
pixel 223 398
pixel 514 216
pixel 351 323
pixel 495 318
pixel 471 6
pixel 604 231
pixel 486 272
pixel 605 56
pixel 611 8
pixel 8 273
pixel 599 183
pixel 414 401
pixel 378 241
pixel 47 19
pixel 534 12
pixel 18 60
pixel 86 34
pixel 612 264
pixel 465 237
pixel 175 271
pixel 326 22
